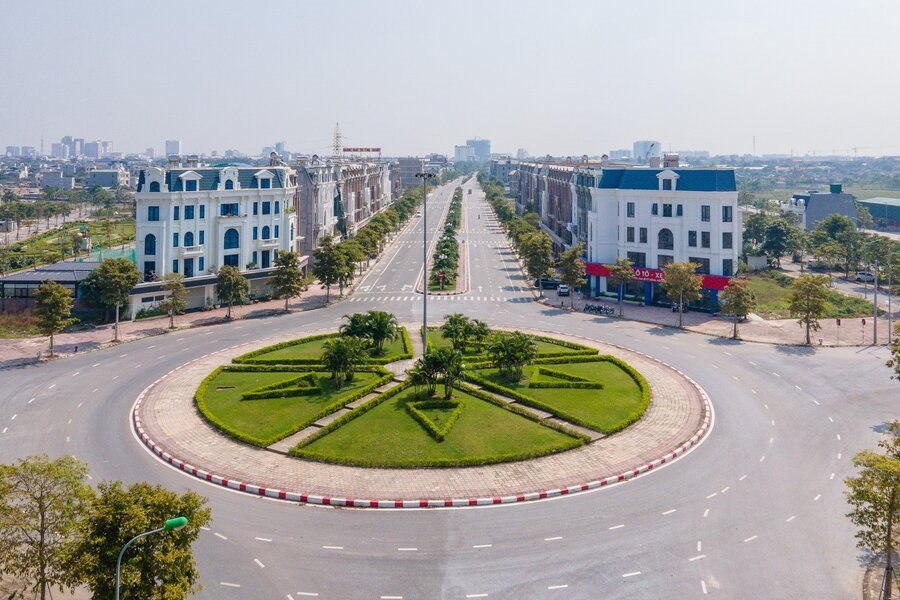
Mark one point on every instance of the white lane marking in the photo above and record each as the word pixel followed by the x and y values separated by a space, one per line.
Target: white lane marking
pixel 407 549
pixel 226 584
pixel 832 476
pixel 220 536
pixel 70 422
pixel 839 456
pixel 483 546
pixel 699 546
pixel 13 418
pixel 698 557
pixel 30 401
pixel 670 511
pixel 476 595
pixel 771 440
pixel 775 374
pixel 830 419
pixel 116 377
pixel 728 353
pixel 816 499
pixel 703 587
pixel 151 347
pixel 95 390
pixel 616 527
pixel 632 574
pixel 705 513
pixel 752 390
pixel 752 363
pixel 95 365
pixel 553 539
pixel 311 594
pixel 726 488
pixel 80 404
pixel 259 539
pixel 76 373
pixel 735 377
pixel 798 387
pixel 751 538
pixel 123 355
pixel 67 439
pixel 713 495
pixel 332 547
pixel 714 366
pixel 762 458
pixel 766 405
pixel 817 402
pixel 204 528
pixel 773 422
pixel 4 429
pixel 742 477
pixel 557 587
pixel 392 598
pixel 839 437
pixel 51 386
pixel 261 566
pixel 790 518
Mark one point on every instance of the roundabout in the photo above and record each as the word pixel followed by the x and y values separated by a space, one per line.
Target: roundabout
pixel 168 423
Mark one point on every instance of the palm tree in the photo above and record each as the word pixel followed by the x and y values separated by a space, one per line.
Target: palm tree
pixel 510 353
pixel 479 332
pixel 341 356
pixel 451 366
pixel 382 327
pixel 426 371
pixel 457 329
pixel 357 325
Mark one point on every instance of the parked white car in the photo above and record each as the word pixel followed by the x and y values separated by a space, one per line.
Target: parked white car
pixel 864 277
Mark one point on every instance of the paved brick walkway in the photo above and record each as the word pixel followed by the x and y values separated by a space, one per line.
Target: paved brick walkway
pixel 168 415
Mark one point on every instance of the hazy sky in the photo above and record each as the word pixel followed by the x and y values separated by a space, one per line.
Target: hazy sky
pixel 559 77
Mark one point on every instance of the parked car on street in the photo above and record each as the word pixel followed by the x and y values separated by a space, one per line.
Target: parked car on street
pixel 864 277
pixel 563 290
pixel 548 283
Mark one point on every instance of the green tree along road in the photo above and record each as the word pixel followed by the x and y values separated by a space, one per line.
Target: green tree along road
pixel 807 300
pixel 53 309
pixel 287 279
pixel 681 282
pixel 621 272
pixel 231 287
pixel 108 286
pixel 330 265
pixel 571 269
pixel 737 299
pixel 175 302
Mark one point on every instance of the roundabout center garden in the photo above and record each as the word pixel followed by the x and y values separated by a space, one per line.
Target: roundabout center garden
pixel 477 397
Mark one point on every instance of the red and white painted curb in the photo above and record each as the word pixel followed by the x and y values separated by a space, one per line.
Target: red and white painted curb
pixel 306 498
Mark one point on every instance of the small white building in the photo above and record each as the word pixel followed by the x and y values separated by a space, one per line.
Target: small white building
pixel 194 220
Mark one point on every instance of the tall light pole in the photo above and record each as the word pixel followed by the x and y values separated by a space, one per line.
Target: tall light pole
pixel 170 525
pixel 425 175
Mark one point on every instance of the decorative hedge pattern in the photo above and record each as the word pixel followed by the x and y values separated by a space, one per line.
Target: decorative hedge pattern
pixel 252 357
pixel 438 432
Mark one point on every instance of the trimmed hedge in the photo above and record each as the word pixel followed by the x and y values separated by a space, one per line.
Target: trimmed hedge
pixel 439 433
pixel 638 412
pixel 568 381
pixel 246 358
pixel 200 400
pixel 287 388
pixel 559 374
pixel 250 357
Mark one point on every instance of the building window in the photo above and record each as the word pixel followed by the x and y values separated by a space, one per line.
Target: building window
pixel 150 245
pixel 726 214
pixel 639 259
pixel 256 208
pixel 154 186
pixel 253 258
pixel 265 183
pixel 703 269
pixel 726 240
pixel 202 237
pixel 149 270
pixel 202 211
pixel 153 213
pixel 277 207
pixel 189 212
pixel 629 209
pixel 230 260
pixel 276 232
pixel 692 239
pixel 667 210
pixel 266 259
pixel 667 184
pixel 190 185
pixel 643 235
pixel 175 240
pixel 704 239
pixel 255 232
pixel 229 184
pixel 265 232
pixel 704 213
pixel 629 234
pixel 654 210
pixel 176 212
pixel 665 240
pixel 727 267
pixel 267 206
pixel 679 210
pixel 292 231
pixel 200 264
pixel 229 210
pixel 663 260
pixel 232 239
pixel 175 266
pixel 189 238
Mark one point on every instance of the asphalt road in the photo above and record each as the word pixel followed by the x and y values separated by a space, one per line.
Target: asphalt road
pixel 757 511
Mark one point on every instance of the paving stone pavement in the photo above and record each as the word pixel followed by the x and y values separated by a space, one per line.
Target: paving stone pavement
pixel 168 415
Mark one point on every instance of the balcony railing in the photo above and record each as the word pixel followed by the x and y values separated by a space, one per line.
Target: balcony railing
pixel 269 243
pixel 191 250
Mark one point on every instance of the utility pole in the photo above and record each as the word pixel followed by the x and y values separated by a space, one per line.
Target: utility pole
pixel 875 315
pixel 425 177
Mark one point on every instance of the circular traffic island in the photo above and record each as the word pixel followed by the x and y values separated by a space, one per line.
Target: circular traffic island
pixel 286 418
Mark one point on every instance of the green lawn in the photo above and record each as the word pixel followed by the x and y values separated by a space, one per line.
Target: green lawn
pixel 771 289
pixel 312 349
pixel 387 436
pixel 264 422
pixel 543 347
pixel 605 410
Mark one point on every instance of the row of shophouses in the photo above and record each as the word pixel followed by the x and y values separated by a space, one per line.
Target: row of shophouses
pixel 651 215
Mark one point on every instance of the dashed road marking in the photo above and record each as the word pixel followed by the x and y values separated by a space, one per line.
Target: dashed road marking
pixel 816 499
pixel 261 566
pixel 76 373
pixel 476 595
pixel 798 387
pixel 751 538
pixel 703 587
pixel 713 495
pixel 482 546
pixel 752 363
pixel 51 386
pixel 817 402
pixel 670 511
pixel 310 594
pixel 553 539
pixel 13 418
pixel 558 587
pixel 752 390
pixel 726 488
pixel 392 598
pixel 699 546
pixel 226 584
pixel 705 513
pixel 220 536
pixel 632 574
pixel 830 419
pixel 742 477
pixel 839 456
pixel 762 458
pixel 771 440
pixel 831 476
pixel 30 401
pixel 790 518
pixel 407 549
pixel 259 539
pixel 95 365
pixel 775 374
pixel 616 527
pixel 698 557
pixel 839 437
pixel 332 547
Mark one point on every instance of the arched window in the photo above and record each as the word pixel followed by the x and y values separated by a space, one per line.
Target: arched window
pixel 229 184
pixel 665 240
pixel 265 233
pixel 189 238
pixel 150 245
pixel 232 239
pixel 154 186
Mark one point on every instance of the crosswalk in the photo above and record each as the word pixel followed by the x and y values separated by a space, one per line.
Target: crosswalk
pixel 386 298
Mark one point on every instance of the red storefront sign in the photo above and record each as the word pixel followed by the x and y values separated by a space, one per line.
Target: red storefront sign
pixel 710 282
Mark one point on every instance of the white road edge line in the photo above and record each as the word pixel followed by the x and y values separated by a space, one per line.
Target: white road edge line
pixel 261 566
pixel 632 574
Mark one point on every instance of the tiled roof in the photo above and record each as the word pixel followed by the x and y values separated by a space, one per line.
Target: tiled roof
pixel 689 180
pixel 209 178
pixel 61 272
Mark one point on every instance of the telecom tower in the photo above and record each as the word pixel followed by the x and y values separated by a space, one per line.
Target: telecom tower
pixel 338 149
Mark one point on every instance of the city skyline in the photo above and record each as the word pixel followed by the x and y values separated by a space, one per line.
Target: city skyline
pixel 728 79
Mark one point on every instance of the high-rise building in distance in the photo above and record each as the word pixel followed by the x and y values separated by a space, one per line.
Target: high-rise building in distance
pixel 482 149
pixel 173 147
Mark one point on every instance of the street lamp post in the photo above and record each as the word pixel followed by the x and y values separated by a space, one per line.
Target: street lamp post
pixel 425 176
pixel 170 525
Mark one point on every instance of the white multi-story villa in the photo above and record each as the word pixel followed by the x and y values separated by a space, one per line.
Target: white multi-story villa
pixel 193 220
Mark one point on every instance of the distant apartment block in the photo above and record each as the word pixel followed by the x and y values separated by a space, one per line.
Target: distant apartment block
pixel 173 147
pixel 813 206
pixel 463 154
pixel 644 150
pixel 13 151
pixel 108 178
pixel 55 178
pixel 482 149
